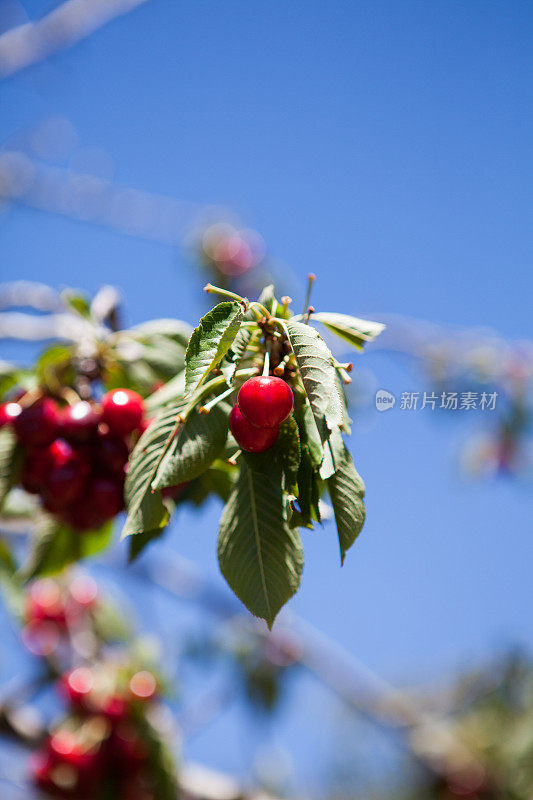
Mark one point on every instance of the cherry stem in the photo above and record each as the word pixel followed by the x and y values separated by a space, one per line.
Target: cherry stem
pixel 212 403
pixel 310 280
pixel 266 362
pixel 210 289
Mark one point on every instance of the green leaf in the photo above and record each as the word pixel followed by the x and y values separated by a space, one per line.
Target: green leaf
pixel 56 546
pixel 140 541
pixel 308 492
pixel 353 330
pixel 337 412
pixel 286 450
pixel 315 363
pixel 7 562
pixel 77 302
pixel 146 511
pixel 309 432
pixel 260 556
pixel 210 341
pixel 347 491
pixel 10 461
pixel 54 366
pixel 197 443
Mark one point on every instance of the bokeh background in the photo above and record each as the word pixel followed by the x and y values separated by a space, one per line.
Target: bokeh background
pixel 385 147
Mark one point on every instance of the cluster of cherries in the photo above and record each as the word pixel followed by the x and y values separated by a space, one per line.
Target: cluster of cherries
pixel 99 745
pixel 52 611
pixel 75 457
pixel 263 403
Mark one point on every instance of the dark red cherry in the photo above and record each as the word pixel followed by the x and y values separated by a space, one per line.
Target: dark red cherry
pixel 107 495
pixel 247 436
pixel 37 425
pixel 76 686
pixel 35 469
pixel 79 422
pixel 122 411
pixel 265 401
pixel 66 478
pixel 8 413
pixel 45 603
pixel 111 453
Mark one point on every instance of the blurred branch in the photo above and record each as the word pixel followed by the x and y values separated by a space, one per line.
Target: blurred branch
pixel 87 198
pixel 63 27
pixel 430 737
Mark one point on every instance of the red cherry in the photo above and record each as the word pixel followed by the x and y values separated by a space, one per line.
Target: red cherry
pixel 37 425
pixel 77 685
pixel 247 436
pixel 265 401
pixel 111 453
pixel 44 603
pixel 66 477
pixel 115 709
pixel 8 412
pixel 79 422
pixel 107 496
pixel 123 411
pixel 35 469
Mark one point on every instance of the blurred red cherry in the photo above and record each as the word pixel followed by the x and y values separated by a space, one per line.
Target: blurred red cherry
pixel 8 413
pixel 123 411
pixel 79 422
pixel 37 424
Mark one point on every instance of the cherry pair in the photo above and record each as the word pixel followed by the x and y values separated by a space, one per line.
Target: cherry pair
pixel 263 403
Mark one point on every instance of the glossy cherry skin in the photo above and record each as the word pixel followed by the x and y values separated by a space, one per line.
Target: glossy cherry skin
pixel 122 411
pixel 66 478
pixel 111 453
pixel 37 425
pixel 107 495
pixel 79 422
pixel 265 401
pixel 8 413
pixel 247 436
pixel 35 469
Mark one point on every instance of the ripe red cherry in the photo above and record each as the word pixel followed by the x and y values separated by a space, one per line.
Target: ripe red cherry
pixel 111 453
pixel 107 496
pixel 123 411
pixel 37 425
pixel 66 477
pixel 35 469
pixel 76 686
pixel 45 604
pixel 79 422
pixel 265 401
pixel 247 436
pixel 8 412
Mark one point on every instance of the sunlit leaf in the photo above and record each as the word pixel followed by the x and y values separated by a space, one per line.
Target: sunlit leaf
pixel 356 332
pixel 259 554
pixel 210 341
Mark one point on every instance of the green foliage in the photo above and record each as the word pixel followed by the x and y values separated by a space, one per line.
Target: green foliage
pixel 316 367
pixel 210 341
pixel 9 461
pixel 259 554
pixel 346 490
pixel 195 446
pixel 267 496
pixel 357 332
pixel 55 546
pixel 146 511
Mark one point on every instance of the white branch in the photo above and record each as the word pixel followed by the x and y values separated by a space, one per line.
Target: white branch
pixel 61 28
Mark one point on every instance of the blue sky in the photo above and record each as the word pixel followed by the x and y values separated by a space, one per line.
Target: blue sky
pixel 385 147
